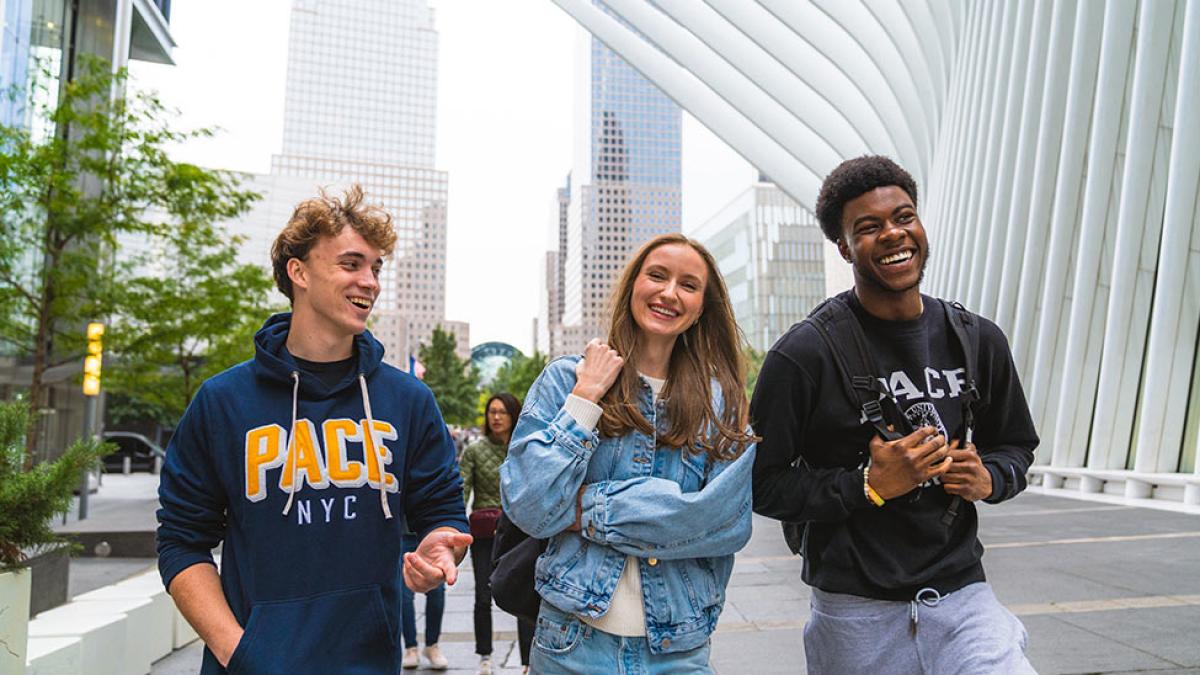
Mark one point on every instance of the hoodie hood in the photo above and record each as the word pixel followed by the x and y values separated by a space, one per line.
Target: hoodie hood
pixel 272 361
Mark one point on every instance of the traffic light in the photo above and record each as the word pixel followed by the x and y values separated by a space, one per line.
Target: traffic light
pixel 91 363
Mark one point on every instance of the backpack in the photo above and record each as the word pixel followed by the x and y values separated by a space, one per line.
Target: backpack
pixel 514 557
pixel 843 336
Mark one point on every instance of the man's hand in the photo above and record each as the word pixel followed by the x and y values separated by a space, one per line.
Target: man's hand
pixel 198 595
pixel 597 371
pixel 967 476
pixel 224 648
pixel 435 560
pixel 901 465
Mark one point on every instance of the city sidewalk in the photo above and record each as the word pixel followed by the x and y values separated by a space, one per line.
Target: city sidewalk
pixel 1101 588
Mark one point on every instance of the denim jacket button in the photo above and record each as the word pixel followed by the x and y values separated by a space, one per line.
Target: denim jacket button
pixel 652 562
pixel 666 643
pixel 591 530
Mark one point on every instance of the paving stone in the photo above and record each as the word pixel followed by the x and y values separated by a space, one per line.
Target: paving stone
pixel 1057 647
pixel 1169 633
pixel 778 652
pixel 760 631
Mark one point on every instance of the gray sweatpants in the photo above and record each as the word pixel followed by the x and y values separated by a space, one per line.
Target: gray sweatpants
pixel 967 632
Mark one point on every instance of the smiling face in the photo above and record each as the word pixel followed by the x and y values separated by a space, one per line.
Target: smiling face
pixel 883 239
pixel 499 422
pixel 336 284
pixel 668 293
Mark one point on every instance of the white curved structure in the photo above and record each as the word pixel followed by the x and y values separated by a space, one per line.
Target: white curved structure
pixel 1058 148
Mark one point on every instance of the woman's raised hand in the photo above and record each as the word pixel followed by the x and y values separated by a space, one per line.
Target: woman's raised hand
pixel 597 371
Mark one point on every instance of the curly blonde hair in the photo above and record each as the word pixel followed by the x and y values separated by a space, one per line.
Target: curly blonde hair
pixel 325 216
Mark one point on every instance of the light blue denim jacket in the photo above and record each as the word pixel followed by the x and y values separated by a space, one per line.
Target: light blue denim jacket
pixel 682 515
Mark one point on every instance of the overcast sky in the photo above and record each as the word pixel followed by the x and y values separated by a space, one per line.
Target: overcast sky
pixel 504 133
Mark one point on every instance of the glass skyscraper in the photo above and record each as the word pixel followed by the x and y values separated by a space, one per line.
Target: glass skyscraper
pixel 360 107
pixel 771 253
pixel 624 189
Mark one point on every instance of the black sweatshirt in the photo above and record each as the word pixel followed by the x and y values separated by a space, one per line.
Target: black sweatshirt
pixel 802 413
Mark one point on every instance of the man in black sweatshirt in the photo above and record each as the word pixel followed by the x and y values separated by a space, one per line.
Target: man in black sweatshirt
pixel 889 544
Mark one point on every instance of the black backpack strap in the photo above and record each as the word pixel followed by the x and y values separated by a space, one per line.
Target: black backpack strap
pixel 843 335
pixel 965 327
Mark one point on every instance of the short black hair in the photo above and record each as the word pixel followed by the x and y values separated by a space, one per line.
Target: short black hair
pixel 855 177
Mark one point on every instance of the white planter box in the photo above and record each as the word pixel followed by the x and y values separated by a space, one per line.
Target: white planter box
pixel 55 656
pixel 155 633
pixel 14 620
pixel 102 637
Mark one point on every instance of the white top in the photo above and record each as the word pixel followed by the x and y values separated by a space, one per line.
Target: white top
pixel 626 615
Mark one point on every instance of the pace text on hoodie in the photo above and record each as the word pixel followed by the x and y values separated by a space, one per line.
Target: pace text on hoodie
pixel 317 588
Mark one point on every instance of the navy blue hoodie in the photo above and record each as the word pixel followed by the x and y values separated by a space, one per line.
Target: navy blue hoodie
pixel 317 588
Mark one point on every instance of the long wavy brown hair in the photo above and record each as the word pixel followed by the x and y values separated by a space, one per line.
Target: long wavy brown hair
pixel 710 348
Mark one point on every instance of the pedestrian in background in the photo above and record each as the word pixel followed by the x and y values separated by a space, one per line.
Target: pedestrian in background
pixel 480 468
pixel 635 461
pixel 435 607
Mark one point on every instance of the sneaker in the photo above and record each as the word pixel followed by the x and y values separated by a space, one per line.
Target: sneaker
pixel 412 658
pixel 433 654
pixel 485 665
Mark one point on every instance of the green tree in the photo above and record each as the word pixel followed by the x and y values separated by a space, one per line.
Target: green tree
pixel 754 361
pixel 29 498
pixel 455 383
pixel 179 329
pixel 517 376
pixel 66 199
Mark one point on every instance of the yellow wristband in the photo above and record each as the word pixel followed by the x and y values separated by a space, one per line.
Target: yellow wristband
pixel 872 495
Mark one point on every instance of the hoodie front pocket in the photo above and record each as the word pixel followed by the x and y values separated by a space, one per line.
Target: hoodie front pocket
pixel 340 631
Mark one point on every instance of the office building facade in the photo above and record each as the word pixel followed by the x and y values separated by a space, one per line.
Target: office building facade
pixel 360 107
pixel 771 253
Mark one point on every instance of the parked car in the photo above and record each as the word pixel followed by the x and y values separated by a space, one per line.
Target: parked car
pixel 143 454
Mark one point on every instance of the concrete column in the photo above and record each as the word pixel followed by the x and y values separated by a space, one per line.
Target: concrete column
pixel 1138 229
pixel 1171 352
pixel 997 210
pixel 1064 220
pixel 935 202
pixel 811 66
pixel 1041 195
pixel 913 89
pixel 1077 384
pixel 749 78
pixel 985 187
pixel 831 39
pixel 1013 248
pixel 960 186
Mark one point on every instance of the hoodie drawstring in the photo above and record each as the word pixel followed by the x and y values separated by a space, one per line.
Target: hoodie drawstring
pixel 292 442
pixel 367 446
pixel 370 447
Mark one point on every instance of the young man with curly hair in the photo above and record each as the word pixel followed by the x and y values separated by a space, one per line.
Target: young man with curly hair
pixel 308 462
pixel 881 500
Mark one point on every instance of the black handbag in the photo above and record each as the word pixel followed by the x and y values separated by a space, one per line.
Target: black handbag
pixel 514 556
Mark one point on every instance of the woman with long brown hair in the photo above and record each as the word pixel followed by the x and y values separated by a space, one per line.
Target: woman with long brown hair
pixel 634 461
